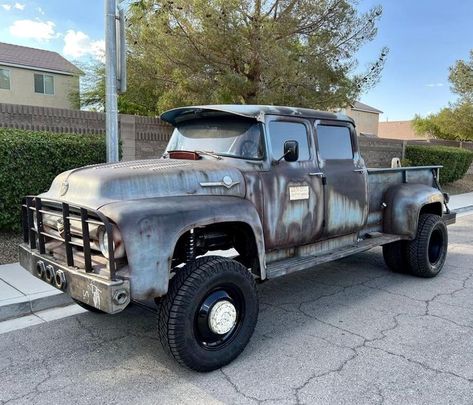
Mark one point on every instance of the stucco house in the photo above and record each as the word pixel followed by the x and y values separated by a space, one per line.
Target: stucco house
pixel 37 77
pixel 366 118
pixel 399 130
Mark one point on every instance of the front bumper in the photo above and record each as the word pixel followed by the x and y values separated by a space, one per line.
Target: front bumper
pixel 110 296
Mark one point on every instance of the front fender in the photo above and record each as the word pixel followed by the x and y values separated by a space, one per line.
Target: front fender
pixel 151 228
pixel 404 203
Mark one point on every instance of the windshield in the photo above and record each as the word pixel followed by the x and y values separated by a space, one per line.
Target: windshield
pixel 229 136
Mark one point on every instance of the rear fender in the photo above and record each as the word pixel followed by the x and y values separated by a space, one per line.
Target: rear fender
pixel 150 229
pixel 404 203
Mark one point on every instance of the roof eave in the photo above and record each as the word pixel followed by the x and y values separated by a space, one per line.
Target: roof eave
pixel 41 69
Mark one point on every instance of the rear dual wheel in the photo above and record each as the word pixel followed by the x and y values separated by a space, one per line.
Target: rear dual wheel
pixel 209 313
pixel 423 256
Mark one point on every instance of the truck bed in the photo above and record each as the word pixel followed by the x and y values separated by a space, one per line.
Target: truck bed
pixel 380 179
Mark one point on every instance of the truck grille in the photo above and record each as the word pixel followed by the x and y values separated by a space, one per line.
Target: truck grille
pixel 69 233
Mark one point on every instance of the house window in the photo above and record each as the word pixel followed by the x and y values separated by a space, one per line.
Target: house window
pixel 43 84
pixel 4 79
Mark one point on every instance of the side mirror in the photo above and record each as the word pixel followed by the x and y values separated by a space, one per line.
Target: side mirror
pixel 291 151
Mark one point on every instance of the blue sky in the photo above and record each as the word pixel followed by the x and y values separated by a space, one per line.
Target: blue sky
pixel 425 37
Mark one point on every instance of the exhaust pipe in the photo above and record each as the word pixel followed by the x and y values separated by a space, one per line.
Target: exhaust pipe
pixel 60 280
pixel 40 269
pixel 49 274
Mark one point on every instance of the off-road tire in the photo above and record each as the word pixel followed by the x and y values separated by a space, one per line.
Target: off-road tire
pixel 395 256
pixel 178 311
pixel 88 307
pixel 428 251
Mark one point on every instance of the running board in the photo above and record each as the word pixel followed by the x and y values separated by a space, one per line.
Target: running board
pixel 293 264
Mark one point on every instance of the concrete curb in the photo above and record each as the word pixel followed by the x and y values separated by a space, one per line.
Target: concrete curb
pixel 28 305
pixel 463 209
pixel 22 294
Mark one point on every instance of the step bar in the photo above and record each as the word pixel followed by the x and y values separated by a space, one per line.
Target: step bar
pixel 293 264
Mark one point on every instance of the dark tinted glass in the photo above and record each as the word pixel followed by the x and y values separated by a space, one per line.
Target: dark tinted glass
pixel 38 84
pixel 4 79
pixel 334 142
pixel 281 131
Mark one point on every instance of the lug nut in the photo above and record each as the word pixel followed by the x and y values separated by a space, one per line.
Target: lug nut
pixel 49 274
pixel 60 280
pixel 40 269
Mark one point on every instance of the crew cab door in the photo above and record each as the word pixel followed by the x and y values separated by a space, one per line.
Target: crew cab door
pixel 345 178
pixel 293 199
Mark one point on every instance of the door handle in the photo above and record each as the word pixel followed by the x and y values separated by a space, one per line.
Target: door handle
pixel 359 170
pixel 318 174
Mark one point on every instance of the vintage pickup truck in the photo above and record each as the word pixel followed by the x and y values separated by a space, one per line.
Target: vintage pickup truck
pixel 283 188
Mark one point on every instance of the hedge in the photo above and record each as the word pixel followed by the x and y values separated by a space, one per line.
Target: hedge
pixel 455 161
pixel 30 160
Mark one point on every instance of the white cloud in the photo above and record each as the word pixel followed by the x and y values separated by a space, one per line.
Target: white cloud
pixel 78 44
pixel 39 30
pixel 40 10
pixel 434 85
pixel 18 6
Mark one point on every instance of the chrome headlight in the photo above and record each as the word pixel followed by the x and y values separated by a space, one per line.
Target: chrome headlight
pixel 117 242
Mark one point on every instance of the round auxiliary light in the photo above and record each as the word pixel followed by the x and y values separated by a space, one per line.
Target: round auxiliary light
pixel 103 241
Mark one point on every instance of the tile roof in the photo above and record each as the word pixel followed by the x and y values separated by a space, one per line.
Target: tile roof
pixel 364 107
pixel 35 59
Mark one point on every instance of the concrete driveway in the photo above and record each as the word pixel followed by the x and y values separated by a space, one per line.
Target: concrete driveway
pixel 350 332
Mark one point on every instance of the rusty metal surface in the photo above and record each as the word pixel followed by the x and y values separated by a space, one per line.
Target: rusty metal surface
pixel 151 228
pixel 248 111
pixel 85 287
pixel 403 205
pixel 293 209
pixel 95 186
pixel 297 263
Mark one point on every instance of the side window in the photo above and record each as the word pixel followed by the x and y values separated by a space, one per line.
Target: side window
pixel 43 84
pixel 4 79
pixel 282 131
pixel 334 142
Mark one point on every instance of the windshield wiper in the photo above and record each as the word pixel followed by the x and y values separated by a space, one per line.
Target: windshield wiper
pixel 208 153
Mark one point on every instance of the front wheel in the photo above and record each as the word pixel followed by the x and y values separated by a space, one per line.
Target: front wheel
pixel 209 313
pixel 427 253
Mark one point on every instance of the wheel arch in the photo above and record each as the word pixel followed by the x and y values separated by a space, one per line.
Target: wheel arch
pixel 243 237
pixel 404 205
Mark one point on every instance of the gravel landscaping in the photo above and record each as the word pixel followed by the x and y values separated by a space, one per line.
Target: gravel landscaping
pixel 9 247
pixel 464 185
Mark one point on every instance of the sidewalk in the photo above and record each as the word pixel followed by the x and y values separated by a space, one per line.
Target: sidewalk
pixel 23 294
pixel 461 202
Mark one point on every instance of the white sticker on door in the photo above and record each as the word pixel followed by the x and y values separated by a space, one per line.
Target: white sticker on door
pixel 299 193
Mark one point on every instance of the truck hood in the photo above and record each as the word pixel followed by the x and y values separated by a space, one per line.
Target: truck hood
pixel 95 186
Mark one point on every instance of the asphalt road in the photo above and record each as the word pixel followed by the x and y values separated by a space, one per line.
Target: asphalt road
pixel 350 332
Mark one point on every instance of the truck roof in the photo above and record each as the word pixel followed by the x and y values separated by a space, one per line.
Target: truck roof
pixel 180 114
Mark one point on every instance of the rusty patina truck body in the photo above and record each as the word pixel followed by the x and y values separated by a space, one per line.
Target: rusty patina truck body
pixel 286 188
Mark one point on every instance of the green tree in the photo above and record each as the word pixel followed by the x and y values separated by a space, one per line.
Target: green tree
pixel 293 52
pixel 461 78
pixel 454 122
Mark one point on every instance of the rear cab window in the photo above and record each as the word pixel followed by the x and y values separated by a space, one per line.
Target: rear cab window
pixel 335 142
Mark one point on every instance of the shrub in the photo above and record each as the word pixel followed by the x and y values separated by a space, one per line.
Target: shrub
pixel 455 161
pixel 30 160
